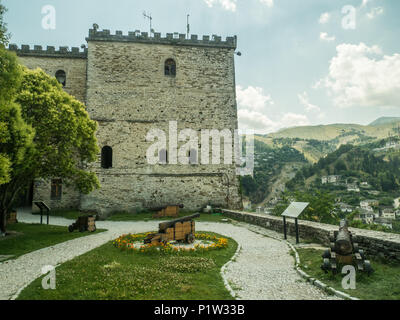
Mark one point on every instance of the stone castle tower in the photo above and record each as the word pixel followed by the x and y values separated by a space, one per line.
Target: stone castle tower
pixel 134 83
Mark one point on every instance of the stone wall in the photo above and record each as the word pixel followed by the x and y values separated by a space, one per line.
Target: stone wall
pixel 129 94
pixel 121 80
pixel 70 198
pixel 374 243
pixel 75 69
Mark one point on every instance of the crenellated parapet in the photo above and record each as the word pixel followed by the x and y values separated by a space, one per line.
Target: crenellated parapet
pixel 50 51
pixel 169 39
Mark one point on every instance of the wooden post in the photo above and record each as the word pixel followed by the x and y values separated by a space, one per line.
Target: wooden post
pixel 297 231
pixel 284 227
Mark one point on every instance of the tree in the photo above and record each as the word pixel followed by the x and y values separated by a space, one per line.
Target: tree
pixel 4 37
pixel 64 136
pixel 15 135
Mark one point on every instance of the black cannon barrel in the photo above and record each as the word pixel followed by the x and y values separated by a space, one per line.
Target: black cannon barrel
pixel 343 241
pixel 165 225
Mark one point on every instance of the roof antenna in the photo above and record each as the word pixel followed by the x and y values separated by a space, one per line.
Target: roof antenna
pixel 188 26
pixel 148 16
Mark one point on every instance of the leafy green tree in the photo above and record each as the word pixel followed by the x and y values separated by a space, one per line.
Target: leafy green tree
pixel 15 135
pixel 4 37
pixel 61 142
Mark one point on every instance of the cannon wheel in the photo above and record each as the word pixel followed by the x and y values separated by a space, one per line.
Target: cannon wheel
pixel 327 254
pixel 71 228
pixel 326 266
pixel 189 238
pixel 82 228
pixel 368 268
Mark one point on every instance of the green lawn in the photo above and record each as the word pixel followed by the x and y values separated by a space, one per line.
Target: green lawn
pixel 67 214
pixel 383 284
pixel 34 237
pixel 143 216
pixel 107 273
pixel 148 216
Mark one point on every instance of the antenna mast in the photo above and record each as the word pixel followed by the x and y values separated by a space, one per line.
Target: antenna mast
pixel 188 26
pixel 148 16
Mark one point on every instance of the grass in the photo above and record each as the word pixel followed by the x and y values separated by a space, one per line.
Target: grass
pixel 107 273
pixel 131 217
pixel 67 214
pixel 383 284
pixel 147 216
pixel 32 237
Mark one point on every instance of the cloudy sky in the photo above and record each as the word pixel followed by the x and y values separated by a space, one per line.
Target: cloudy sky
pixel 303 62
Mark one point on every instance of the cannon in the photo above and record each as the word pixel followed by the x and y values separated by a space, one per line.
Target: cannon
pixel 84 223
pixel 344 251
pixel 182 229
pixel 167 211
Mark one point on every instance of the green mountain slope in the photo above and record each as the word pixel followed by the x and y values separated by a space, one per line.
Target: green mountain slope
pixel 385 120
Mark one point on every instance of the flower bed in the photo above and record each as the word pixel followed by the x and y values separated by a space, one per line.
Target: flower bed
pixel 129 242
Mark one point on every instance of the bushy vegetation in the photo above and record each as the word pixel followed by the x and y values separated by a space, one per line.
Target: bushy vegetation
pixel 269 163
pixel 354 162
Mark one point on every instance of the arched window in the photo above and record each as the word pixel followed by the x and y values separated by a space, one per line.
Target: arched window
pixel 61 77
pixel 170 68
pixel 163 156
pixel 106 157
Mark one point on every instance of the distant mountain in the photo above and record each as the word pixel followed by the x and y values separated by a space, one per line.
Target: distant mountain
pixel 334 131
pixel 385 120
pixel 359 163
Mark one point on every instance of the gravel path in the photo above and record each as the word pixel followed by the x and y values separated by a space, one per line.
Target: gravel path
pixel 264 269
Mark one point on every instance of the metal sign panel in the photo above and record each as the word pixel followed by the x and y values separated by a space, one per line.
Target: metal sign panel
pixel 295 209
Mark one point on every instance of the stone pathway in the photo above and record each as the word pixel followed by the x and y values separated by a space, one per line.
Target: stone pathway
pixel 264 269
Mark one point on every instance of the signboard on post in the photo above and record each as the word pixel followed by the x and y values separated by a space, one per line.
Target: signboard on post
pixel 294 210
pixel 43 207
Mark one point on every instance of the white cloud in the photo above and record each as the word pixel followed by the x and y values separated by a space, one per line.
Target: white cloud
pixel 229 5
pixel 375 12
pixel 324 18
pixel 255 110
pixel 362 76
pixel 268 3
pixel 253 98
pixel 304 100
pixel 364 3
pixel 325 37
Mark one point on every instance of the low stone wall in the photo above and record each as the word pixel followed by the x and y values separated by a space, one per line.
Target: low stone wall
pixel 374 243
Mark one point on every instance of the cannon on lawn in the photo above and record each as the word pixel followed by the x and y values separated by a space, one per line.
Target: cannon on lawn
pixel 84 223
pixel 182 229
pixel 167 211
pixel 344 251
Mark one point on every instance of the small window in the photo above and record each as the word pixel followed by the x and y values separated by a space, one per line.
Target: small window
pixel 170 68
pixel 106 157
pixel 56 189
pixel 163 156
pixel 61 77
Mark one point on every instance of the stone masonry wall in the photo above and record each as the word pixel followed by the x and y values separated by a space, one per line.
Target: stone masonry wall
pixel 70 198
pixel 122 82
pixel 74 68
pixel 378 244
pixel 129 94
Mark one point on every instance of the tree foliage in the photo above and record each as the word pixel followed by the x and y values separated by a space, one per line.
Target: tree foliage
pixel 65 135
pixel 4 37
pixel 44 133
